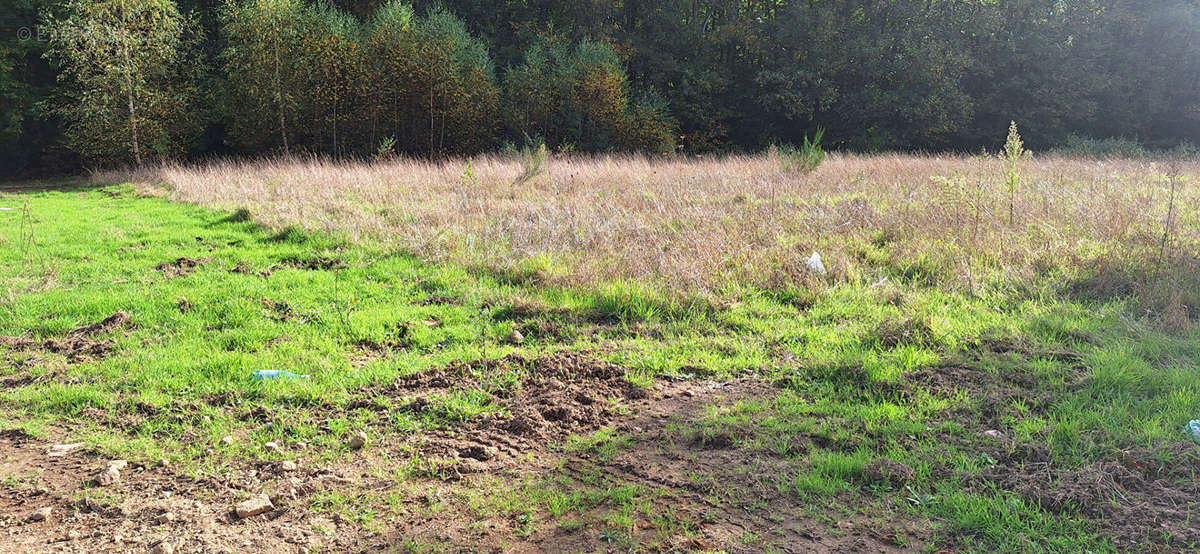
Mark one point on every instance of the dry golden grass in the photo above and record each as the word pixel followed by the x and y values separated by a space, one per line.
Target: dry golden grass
pixel 697 225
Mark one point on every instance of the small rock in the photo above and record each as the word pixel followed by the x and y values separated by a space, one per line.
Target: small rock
pixel 163 548
pixel 166 517
pixel 287 465
pixel 41 514
pixel 119 464
pixel 64 449
pixel 258 504
pixel 994 434
pixel 358 440
pixel 110 476
pixel 514 337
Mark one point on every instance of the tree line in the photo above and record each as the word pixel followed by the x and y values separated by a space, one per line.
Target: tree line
pixel 108 82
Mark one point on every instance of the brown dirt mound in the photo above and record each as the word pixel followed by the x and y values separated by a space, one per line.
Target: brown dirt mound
pixel 318 263
pixel 78 345
pixel 181 267
pixel 564 394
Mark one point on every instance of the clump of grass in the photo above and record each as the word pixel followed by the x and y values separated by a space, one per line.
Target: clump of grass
pixel 533 162
pixel 805 159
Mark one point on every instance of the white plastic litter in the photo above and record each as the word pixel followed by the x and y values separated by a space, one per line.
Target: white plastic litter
pixel 814 264
pixel 1193 430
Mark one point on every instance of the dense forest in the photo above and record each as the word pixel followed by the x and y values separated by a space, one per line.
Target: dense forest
pixel 87 83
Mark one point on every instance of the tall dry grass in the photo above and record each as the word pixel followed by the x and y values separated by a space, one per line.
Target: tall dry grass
pixel 697 225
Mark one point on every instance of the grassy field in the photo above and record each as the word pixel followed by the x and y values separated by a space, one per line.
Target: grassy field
pixel 619 354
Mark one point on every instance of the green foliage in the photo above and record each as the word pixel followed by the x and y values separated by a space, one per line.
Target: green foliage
pixel 577 97
pixel 434 82
pixel 386 149
pixel 262 62
pixel 805 159
pixel 127 71
pixel 297 73
pixel 533 159
pixel 679 75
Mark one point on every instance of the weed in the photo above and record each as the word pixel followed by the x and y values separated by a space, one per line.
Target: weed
pixel 533 161
pixel 805 159
pixel 1014 154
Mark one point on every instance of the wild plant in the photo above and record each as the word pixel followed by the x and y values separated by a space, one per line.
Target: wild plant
pixel 533 161
pixel 805 159
pixel 1014 153
pixel 386 150
pixel 468 177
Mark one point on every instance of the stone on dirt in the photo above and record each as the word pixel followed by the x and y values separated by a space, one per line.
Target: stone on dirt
pixel 64 449
pixel 111 475
pixel 258 504
pixel 287 466
pixel 41 514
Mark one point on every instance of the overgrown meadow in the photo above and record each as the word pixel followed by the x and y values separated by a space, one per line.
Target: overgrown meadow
pixel 623 353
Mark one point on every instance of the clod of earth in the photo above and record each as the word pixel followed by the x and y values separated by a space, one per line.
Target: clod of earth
pixel 255 505
pixel 109 476
pixel 181 267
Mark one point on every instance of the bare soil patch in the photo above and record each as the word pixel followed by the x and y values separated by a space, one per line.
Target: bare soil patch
pixel 80 344
pixel 721 495
pixel 181 267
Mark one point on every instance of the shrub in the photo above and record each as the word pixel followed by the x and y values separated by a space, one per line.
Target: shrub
pixel 647 126
pixel 1077 146
pixel 805 159
pixel 1014 152
pixel 533 161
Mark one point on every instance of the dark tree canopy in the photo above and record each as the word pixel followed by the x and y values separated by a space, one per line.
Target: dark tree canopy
pixel 442 77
